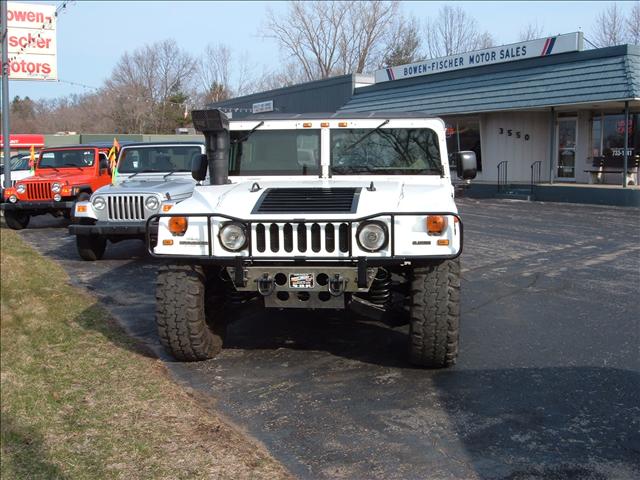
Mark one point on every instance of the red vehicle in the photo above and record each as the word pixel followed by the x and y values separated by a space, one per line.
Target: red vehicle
pixel 62 176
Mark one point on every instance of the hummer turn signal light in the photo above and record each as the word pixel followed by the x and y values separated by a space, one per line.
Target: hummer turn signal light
pixel 436 224
pixel 178 225
pixel 81 209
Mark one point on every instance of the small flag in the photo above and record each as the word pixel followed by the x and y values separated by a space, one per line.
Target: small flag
pixel 113 158
pixel 32 159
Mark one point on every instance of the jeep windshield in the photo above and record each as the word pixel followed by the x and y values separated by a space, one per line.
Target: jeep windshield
pixel 77 158
pixel 388 151
pixel 158 159
pixel 275 152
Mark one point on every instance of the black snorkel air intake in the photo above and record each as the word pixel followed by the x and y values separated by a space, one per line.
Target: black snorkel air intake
pixel 214 124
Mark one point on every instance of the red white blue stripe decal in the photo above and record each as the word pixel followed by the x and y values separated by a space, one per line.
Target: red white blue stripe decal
pixel 390 74
pixel 548 46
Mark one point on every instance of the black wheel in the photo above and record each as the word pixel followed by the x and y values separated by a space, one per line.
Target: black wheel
pixel 435 314
pixel 90 247
pixel 189 312
pixel 16 220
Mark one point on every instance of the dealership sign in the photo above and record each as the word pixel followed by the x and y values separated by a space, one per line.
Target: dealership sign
pixel 542 47
pixel 262 107
pixel 32 41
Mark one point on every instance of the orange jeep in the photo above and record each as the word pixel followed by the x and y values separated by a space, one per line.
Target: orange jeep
pixel 62 176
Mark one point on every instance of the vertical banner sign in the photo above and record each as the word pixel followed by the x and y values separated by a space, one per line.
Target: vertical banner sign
pixel 542 47
pixel 32 41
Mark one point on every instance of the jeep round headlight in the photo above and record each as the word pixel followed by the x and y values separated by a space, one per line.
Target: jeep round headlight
pixel 98 203
pixel 13 199
pixel 233 236
pixel 21 188
pixel 56 187
pixel 57 197
pixel 152 203
pixel 372 236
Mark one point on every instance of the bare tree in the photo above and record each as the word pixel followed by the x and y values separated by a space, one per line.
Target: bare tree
pixel 143 83
pixel 610 27
pixel 530 32
pixel 453 31
pixel 485 40
pixel 213 70
pixel 333 37
pixel 363 33
pixel 403 43
pixel 223 74
pixel 633 24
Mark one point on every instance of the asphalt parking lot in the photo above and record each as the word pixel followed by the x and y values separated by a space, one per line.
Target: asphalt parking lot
pixel 548 379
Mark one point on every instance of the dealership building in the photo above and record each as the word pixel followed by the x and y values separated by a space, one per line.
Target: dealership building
pixel 545 111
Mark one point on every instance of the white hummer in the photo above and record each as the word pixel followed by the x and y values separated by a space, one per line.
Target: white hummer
pixel 315 211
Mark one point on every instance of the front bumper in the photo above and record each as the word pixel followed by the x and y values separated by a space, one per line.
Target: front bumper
pixel 351 256
pixel 48 206
pixel 109 229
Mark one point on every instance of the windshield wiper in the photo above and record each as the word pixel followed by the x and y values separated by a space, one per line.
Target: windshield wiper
pixel 136 173
pixel 366 135
pixel 71 165
pixel 248 134
pixel 172 172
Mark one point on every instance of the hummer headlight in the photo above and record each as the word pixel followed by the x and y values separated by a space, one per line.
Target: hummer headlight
pixel 98 203
pixel 21 188
pixel 372 236
pixel 233 236
pixel 56 187
pixel 152 203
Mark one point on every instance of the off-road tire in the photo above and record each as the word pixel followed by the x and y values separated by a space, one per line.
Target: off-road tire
pixel 435 314
pixel 16 220
pixel 189 324
pixel 91 247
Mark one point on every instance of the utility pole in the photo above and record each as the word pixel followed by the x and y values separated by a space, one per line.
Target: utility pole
pixel 5 96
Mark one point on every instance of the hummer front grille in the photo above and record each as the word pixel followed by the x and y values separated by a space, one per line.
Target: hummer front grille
pixel 308 239
pixel 125 207
pixel 39 191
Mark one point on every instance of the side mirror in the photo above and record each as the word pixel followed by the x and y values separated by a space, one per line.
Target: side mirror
pixel 104 163
pixel 199 166
pixel 466 164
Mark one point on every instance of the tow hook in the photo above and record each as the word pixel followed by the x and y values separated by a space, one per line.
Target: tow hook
pixel 266 285
pixel 337 285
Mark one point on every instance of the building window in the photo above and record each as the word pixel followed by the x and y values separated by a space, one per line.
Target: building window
pixel 464 134
pixel 607 133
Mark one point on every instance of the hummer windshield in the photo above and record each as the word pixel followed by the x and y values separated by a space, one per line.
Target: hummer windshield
pixel 275 152
pixel 78 158
pixel 389 151
pixel 157 159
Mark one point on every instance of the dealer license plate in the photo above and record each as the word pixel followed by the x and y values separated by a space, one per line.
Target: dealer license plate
pixel 301 280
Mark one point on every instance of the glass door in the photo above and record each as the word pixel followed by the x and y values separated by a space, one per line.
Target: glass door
pixel 567 135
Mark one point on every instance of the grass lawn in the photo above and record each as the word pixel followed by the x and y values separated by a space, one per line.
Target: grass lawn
pixel 80 400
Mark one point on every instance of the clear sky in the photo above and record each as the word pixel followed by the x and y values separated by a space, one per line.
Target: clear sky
pixel 92 35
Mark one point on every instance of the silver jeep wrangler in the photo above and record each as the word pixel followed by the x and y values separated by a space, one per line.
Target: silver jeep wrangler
pixel 148 174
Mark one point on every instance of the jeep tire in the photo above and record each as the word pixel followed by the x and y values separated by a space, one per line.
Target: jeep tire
pixel 16 220
pixel 189 312
pixel 91 247
pixel 435 314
